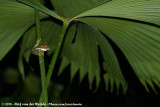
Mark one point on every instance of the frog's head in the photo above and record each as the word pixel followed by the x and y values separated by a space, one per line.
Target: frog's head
pixel 46 48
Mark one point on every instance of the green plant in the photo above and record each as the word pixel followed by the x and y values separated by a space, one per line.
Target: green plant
pixel 132 25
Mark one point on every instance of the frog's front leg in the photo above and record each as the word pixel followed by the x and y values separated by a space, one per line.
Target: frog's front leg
pixel 38 40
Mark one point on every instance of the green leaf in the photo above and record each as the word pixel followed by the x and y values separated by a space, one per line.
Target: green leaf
pixel 15 19
pixel 80 48
pixel 114 75
pixel 40 7
pixel 140 43
pixel 142 10
pixel 70 8
pixel 83 54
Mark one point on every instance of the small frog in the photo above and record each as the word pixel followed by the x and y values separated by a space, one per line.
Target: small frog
pixel 39 50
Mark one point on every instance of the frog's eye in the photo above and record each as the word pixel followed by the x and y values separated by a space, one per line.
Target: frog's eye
pixel 45 46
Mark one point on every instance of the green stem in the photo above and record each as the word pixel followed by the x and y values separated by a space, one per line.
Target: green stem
pixel 41 61
pixel 36 12
pixel 43 80
pixel 54 58
pixel 56 52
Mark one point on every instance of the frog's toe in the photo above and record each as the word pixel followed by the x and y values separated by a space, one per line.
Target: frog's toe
pixel 39 39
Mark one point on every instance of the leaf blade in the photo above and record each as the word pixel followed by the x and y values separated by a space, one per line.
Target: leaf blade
pixel 40 7
pixel 140 44
pixel 88 63
pixel 71 8
pixel 12 24
pixel 141 10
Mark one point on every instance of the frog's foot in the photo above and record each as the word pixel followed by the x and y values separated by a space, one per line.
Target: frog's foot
pixel 41 53
pixel 38 40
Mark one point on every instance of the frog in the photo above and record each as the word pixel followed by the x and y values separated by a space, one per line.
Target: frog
pixel 39 49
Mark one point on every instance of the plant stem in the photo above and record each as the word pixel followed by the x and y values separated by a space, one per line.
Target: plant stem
pixel 54 58
pixel 36 12
pixel 56 52
pixel 41 61
pixel 43 80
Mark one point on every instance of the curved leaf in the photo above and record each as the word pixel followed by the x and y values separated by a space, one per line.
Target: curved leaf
pixel 15 18
pixel 80 48
pixel 142 10
pixel 82 54
pixel 140 43
pixel 70 8
pixel 40 7
pixel 49 32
